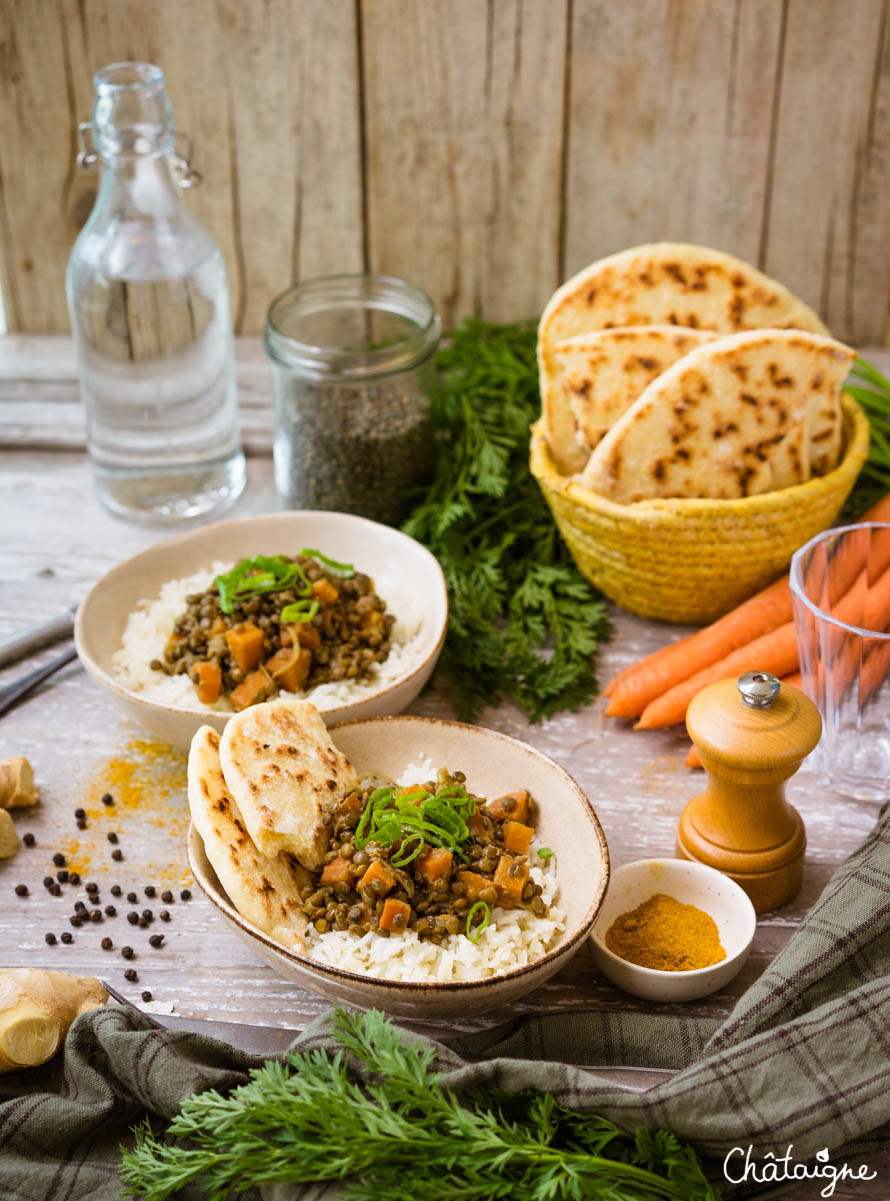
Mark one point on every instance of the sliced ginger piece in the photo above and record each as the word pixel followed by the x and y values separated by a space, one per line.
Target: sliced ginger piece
pixel 17 789
pixel 9 839
pixel 36 1009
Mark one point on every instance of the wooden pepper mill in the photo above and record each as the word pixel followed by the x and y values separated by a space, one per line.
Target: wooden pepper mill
pixel 752 734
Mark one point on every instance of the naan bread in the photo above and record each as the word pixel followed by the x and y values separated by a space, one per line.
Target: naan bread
pixel 286 776
pixel 732 418
pixel 264 890
pixel 670 283
pixel 592 379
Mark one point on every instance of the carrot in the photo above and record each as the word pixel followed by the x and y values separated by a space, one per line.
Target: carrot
pixel 510 877
pixel 513 805
pixel 395 916
pixel 246 645
pixel 289 670
pixel 775 652
pixel 338 871
pixel 209 681
pixel 379 877
pixel 251 689
pixel 325 591
pixel 473 883
pixel 434 864
pixel 637 686
pixel 517 837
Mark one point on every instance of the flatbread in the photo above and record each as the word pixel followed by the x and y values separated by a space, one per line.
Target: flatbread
pixel 732 418
pixel 592 379
pixel 670 283
pixel 265 890
pixel 286 776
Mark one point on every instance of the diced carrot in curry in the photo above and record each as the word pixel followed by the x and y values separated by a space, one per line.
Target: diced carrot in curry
pixel 409 790
pixel 510 877
pixel 338 871
pixel 209 681
pixel 252 689
pixel 307 635
pixel 517 837
pixel 513 805
pixel 246 645
pixel 371 619
pixel 395 916
pixel 289 670
pixel 473 883
pixel 351 805
pixel 324 591
pixel 219 627
pixel 476 825
pixel 379 871
pixel 434 864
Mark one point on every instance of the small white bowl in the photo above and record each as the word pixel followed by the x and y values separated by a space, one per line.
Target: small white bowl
pixel 691 884
pixel 381 552
pixel 493 764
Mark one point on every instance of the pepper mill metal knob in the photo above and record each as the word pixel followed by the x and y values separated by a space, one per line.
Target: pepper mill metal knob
pixel 752 735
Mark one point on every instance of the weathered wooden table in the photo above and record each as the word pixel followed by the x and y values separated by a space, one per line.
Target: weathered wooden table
pixel 56 541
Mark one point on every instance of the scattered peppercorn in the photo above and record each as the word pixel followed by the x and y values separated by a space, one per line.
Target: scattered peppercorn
pixel 79 813
pixel 107 799
pixel 147 914
pixel 164 915
pixel 21 890
pixel 66 937
pixel 62 875
pixel 127 952
pixel 131 974
pixel 55 890
pixel 59 859
pixel 132 898
pixel 80 907
pixel 28 839
pixel 167 895
pixel 74 919
pixel 144 923
pixel 92 886
pixel 48 881
pixel 156 940
pixel 132 917
pixel 146 995
pixel 50 939
pixel 115 890
pixel 106 944
pixel 74 878
pixel 111 836
pixel 150 890
pixel 96 915
pixel 110 911
pixel 185 895
pixel 81 824
pixel 117 854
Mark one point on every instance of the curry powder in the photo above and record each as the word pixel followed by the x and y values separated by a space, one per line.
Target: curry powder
pixel 665 934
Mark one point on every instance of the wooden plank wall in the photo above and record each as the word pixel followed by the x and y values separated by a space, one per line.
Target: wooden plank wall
pixel 485 149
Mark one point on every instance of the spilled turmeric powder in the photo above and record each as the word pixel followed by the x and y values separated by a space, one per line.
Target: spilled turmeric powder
pixel 667 935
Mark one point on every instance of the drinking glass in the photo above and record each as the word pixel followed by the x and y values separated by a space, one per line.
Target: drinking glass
pixel 840 588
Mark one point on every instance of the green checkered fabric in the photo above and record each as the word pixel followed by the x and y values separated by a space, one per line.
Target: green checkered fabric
pixel 803 1060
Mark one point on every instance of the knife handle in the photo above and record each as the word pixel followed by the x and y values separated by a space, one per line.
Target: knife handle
pixel 33 639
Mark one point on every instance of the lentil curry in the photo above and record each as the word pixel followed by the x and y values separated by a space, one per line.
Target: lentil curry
pixel 277 623
pixel 429 857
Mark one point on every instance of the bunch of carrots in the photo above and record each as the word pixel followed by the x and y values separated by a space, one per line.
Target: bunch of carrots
pixel 758 635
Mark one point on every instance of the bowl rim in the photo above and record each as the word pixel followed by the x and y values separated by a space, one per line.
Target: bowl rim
pixel 340 712
pixel 695 868
pixel 670 509
pixel 225 906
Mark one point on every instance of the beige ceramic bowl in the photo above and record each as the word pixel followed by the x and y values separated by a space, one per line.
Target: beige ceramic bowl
pixel 391 558
pixel 692 884
pixel 493 764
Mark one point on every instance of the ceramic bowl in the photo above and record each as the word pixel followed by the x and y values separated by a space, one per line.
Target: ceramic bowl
pixel 392 559
pixel 692 884
pixel 493 764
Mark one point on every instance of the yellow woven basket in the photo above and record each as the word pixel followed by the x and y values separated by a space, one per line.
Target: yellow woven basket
pixel 692 560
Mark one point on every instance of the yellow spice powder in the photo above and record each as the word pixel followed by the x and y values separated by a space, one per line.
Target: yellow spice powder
pixel 665 934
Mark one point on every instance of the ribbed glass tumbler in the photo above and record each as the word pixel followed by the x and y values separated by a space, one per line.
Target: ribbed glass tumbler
pixel 840 587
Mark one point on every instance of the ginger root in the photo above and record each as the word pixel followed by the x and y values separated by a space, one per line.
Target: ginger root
pixel 36 1009
pixel 9 839
pixel 17 788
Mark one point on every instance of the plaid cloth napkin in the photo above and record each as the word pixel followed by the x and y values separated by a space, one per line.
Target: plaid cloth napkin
pixel 803 1059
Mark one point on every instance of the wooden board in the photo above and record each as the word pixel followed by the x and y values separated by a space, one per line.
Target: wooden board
pixel 483 151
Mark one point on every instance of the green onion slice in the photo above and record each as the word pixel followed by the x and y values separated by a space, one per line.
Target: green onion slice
pixel 302 610
pixel 272 573
pixel 486 918
pixel 417 820
pixel 545 853
pixel 345 570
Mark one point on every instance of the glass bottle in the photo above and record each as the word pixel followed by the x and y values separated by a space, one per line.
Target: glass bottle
pixel 149 306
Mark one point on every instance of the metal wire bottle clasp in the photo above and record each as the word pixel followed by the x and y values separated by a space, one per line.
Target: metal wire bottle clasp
pixel 186 176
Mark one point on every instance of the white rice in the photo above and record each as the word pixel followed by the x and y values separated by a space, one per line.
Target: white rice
pixel 151 623
pixel 513 939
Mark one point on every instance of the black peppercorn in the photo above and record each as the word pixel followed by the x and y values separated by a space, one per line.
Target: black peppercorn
pixel 164 915
pixel 28 839
pixel 115 890
pixel 147 914
pixel 21 890
pixel 106 944
pixel 111 836
pixel 127 952
pixel 110 911
pixel 62 875
pixel 50 939
pixel 117 854
pixel 55 890
pixel 150 890
pixel 80 907
pixel 107 799
pixel 59 859
pixel 96 915
pixel 48 881
pixel 132 917
pixel 143 923
pixel 74 920
pixel 167 895
pixel 146 995
pixel 66 937
pixel 79 813
pixel 74 878
pixel 132 898
pixel 156 940
pixel 92 886
pixel 185 895
pixel 131 974
pixel 81 823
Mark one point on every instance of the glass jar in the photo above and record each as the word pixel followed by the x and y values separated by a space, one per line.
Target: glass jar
pixel 352 363
pixel 149 307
